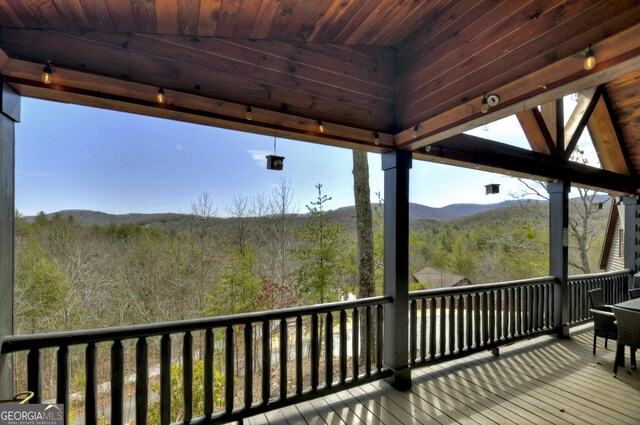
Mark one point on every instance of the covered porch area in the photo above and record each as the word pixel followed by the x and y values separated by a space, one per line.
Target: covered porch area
pixel 401 79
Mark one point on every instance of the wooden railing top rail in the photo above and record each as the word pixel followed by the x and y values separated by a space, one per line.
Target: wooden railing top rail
pixel 15 343
pixel 455 290
pixel 600 275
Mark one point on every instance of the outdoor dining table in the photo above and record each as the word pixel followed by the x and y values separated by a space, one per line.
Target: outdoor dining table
pixel 630 304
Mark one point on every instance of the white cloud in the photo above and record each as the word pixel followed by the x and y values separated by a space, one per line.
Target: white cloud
pixel 179 147
pixel 258 156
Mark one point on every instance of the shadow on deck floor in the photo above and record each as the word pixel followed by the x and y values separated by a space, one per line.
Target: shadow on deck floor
pixel 546 380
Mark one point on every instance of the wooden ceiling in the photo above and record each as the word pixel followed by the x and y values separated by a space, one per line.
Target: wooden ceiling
pixel 379 74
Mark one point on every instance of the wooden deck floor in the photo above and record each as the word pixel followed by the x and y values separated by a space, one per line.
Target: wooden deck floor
pixel 543 380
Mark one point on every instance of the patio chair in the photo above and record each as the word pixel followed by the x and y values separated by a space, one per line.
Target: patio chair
pixel 634 293
pixel 628 335
pixel 603 320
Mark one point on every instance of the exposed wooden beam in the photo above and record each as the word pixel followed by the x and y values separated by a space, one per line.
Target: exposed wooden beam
pixel 536 131
pixel 619 55
pixel 477 151
pixel 553 115
pixel 109 93
pixel 607 138
pixel 579 118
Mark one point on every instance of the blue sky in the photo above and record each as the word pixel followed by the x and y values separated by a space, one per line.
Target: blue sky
pixel 73 157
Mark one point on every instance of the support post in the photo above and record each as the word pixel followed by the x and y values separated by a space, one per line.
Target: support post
pixel 396 165
pixel 559 252
pixel 10 114
pixel 630 226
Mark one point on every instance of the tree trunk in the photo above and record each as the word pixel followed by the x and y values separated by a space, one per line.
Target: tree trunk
pixel 366 274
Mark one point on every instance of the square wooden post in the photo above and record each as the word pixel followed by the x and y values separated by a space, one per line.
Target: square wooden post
pixel 10 108
pixel 630 226
pixel 396 166
pixel 559 252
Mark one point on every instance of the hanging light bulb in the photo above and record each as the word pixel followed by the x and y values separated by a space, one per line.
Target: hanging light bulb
pixel 46 73
pixel 249 113
pixel 484 107
pixel 160 98
pixel 321 128
pixel 590 59
pixel 376 138
pixel 416 129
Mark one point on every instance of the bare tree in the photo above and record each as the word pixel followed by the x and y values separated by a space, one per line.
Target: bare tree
pixel 282 205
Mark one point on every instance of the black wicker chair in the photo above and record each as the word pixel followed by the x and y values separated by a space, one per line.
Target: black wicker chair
pixel 603 320
pixel 628 335
pixel 634 293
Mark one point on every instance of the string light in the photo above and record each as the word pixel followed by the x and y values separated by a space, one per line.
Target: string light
pixel 160 98
pixel 46 73
pixel 249 113
pixel 416 129
pixel 484 107
pixel 321 128
pixel 590 59
pixel 376 138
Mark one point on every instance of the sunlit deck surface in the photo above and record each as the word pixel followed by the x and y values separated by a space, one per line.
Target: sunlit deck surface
pixel 543 380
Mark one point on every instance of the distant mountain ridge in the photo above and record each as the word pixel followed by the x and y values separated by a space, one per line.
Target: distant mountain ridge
pixel 416 212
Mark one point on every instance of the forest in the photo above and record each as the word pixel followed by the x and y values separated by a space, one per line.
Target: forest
pixel 261 256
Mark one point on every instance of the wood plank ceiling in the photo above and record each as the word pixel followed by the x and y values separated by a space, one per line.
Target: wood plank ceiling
pixel 379 75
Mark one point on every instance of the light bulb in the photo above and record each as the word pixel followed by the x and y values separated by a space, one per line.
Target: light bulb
pixel 46 74
pixel 590 59
pixel 416 129
pixel 321 127
pixel 249 113
pixel 376 138
pixel 160 98
pixel 484 107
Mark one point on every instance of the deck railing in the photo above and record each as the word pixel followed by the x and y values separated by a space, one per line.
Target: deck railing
pixel 614 290
pixel 299 328
pixel 454 322
pixel 290 355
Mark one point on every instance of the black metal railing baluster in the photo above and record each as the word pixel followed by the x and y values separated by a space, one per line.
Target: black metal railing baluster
pixel 315 352
pixel 518 298
pixel 117 382
pixel 485 317
pixel 423 329
pixel 460 323
pixel 34 380
pixel 413 306
pixel 499 317
pixel 228 369
pixel 468 318
pixel 355 342
pixel 432 328
pixel 187 376
pixel 442 326
pixel 248 365
pixel 299 341
pixel 142 381
pixel 284 360
pixel 476 320
pixel 379 340
pixel 491 335
pixel 452 325
pixel 328 347
pixel 208 372
pixel 513 327
pixel 165 379
pixel 91 385
pixel 62 384
pixel 368 351
pixel 343 346
pixel 266 361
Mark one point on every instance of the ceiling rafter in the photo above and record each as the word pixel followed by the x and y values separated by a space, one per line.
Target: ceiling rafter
pixel 475 152
pixel 536 130
pixel 579 118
